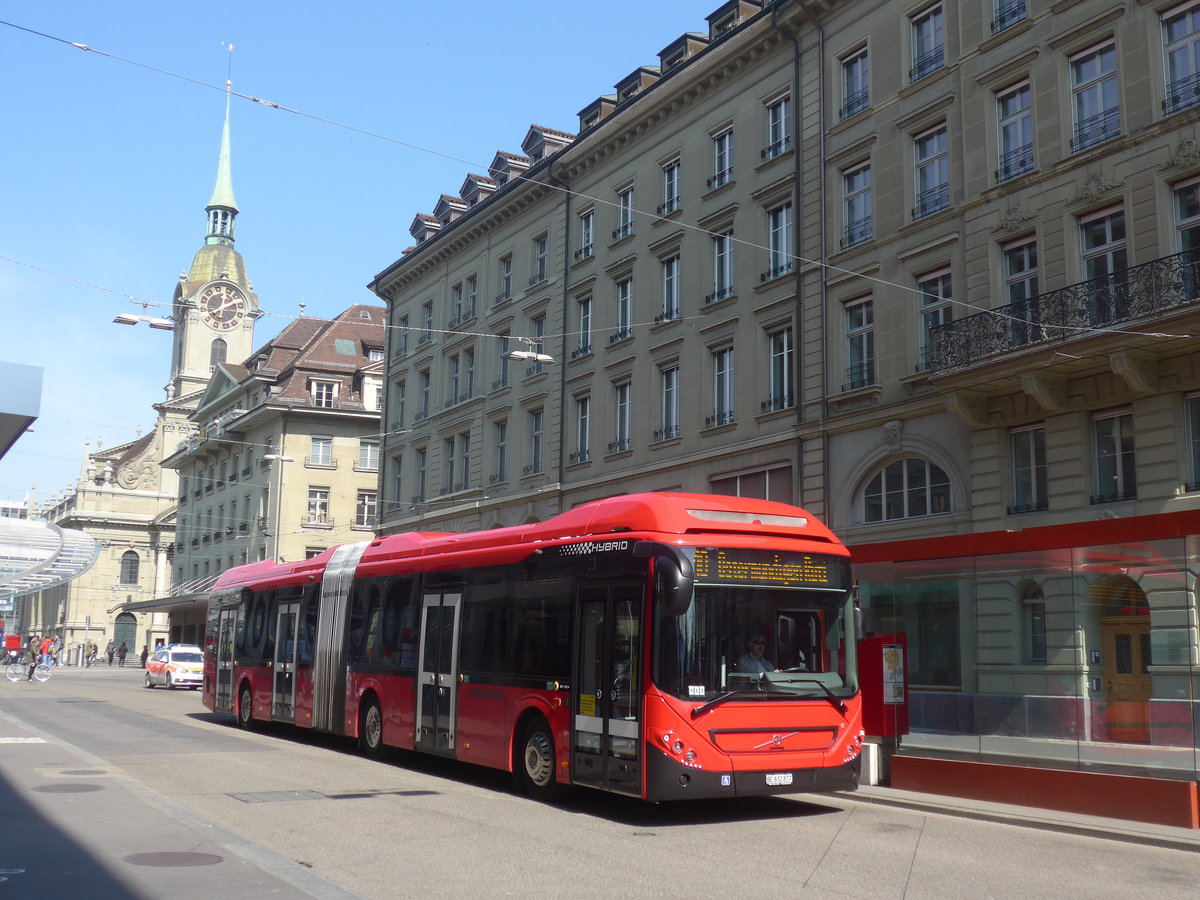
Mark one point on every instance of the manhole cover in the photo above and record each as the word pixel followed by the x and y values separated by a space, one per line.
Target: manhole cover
pixel 69 788
pixel 169 859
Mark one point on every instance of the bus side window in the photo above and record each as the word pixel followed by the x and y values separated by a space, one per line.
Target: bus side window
pixel 358 618
pixel 484 625
pixel 372 643
pixel 312 609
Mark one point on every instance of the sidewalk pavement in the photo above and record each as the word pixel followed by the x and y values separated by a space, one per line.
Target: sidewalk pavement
pixel 1030 817
pixel 1010 814
pixel 86 829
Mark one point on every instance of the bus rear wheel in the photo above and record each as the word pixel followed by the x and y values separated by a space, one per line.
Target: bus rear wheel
pixel 370 730
pixel 245 710
pixel 536 767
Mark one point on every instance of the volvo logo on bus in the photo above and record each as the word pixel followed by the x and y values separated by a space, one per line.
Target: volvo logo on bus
pixel 594 547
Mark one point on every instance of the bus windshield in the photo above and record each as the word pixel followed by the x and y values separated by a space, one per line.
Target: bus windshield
pixel 758 641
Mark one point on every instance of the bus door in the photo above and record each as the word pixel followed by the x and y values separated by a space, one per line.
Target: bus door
pixel 283 699
pixel 606 741
pixel 437 670
pixel 226 622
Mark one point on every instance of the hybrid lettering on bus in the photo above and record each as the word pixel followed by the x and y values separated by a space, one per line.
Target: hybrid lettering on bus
pixel 664 646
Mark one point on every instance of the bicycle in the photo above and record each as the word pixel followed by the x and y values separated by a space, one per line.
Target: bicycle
pixel 18 670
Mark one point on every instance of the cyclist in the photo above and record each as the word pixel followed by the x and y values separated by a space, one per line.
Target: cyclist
pixel 32 649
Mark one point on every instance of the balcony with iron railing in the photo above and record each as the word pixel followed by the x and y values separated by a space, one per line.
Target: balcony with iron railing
pixel 857 232
pixel 666 433
pixel 930 201
pixel 722 293
pixel 776 402
pixel 721 178
pixel 1145 291
pixel 776 148
pixel 1015 162
pixel 1181 94
pixel 855 103
pixel 860 375
pixel 778 269
pixel 1008 14
pixel 927 62
pixel 1096 129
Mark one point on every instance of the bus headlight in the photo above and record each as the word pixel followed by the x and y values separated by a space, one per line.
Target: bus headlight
pixel 677 747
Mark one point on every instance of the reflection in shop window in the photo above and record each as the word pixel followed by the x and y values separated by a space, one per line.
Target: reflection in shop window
pixel 1033 603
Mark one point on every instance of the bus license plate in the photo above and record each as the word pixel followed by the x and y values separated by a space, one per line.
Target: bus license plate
pixel 778 779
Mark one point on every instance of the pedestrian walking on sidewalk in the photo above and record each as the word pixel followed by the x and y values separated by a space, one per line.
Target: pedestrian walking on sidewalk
pixel 44 649
pixel 91 653
pixel 122 651
pixel 145 655
pixel 110 651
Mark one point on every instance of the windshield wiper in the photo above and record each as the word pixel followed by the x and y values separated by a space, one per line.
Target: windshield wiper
pixel 760 694
pixel 715 701
pixel 833 698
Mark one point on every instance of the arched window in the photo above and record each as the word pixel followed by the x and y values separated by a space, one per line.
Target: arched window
pixel 905 489
pixel 217 353
pixel 130 563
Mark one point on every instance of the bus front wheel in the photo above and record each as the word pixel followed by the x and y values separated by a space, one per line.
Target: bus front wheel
pixel 245 710
pixel 370 729
pixel 536 765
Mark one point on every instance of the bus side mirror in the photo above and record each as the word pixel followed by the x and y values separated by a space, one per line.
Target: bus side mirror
pixel 859 631
pixel 674 586
pixel 672 575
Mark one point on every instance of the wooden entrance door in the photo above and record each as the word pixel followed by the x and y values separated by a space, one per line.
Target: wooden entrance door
pixel 1125 655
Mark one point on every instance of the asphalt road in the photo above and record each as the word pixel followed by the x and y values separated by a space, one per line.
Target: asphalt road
pixel 119 791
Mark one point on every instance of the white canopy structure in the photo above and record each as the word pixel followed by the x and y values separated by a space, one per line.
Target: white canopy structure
pixel 35 556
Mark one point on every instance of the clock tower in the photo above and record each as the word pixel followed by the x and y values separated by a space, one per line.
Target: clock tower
pixel 215 306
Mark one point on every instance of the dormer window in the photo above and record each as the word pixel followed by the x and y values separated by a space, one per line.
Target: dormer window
pixel 323 393
pixel 726 24
pixel 680 51
pixel 596 110
pixel 730 15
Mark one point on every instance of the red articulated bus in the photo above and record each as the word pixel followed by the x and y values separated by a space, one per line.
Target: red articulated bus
pixel 662 646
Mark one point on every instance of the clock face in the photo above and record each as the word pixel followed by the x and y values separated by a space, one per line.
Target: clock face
pixel 222 306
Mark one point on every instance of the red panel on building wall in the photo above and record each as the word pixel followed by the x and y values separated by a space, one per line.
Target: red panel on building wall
pixel 1129 797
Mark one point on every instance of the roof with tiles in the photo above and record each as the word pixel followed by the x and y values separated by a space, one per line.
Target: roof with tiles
pixel 333 350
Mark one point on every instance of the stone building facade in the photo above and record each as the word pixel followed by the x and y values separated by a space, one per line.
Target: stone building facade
pixel 928 271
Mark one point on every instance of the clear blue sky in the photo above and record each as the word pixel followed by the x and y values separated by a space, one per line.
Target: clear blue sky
pixel 107 165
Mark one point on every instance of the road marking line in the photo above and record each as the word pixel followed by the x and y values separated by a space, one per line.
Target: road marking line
pixel 15 740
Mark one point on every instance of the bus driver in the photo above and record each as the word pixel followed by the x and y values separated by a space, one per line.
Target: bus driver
pixel 753 661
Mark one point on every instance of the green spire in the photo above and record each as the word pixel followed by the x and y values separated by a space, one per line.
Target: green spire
pixel 222 208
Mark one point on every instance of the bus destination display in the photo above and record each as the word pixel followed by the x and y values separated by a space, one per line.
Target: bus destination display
pixel 768 568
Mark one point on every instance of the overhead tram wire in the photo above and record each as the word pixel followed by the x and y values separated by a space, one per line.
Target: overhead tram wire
pixel 796 258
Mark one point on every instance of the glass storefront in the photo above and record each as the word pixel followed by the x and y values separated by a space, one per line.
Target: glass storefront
pixel 1074 657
